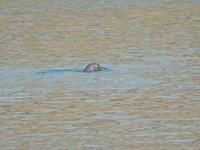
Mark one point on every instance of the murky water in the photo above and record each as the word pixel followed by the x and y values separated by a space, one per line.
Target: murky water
pixel 146 95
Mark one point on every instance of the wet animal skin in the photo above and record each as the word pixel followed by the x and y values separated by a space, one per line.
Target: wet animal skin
pixel 92 67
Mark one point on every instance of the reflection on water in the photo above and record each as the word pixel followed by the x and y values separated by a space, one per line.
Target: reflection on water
pixel 145 95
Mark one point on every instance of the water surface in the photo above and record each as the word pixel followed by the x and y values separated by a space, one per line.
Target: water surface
pixel 146 95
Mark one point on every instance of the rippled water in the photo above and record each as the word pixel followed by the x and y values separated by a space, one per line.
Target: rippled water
pixel 145 96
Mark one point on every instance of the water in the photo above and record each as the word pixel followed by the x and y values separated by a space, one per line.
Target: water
pixel 146 94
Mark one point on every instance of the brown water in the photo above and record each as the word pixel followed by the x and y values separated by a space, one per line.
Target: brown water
pixel 146 97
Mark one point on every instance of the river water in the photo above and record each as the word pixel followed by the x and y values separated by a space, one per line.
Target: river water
pixel 146 96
